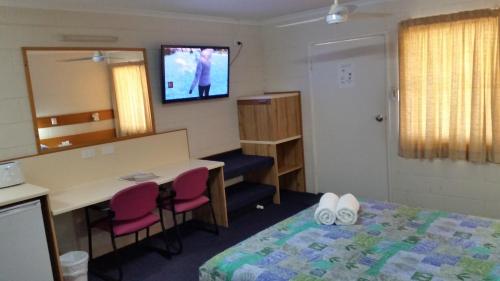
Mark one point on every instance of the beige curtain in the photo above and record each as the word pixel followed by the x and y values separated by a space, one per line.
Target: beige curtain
pixel 450 87
pixel 133 112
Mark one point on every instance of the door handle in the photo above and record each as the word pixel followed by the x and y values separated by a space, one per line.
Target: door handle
pixel 379 118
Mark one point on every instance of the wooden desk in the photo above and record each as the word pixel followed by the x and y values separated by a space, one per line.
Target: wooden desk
pixel 74 181
pixel 90 193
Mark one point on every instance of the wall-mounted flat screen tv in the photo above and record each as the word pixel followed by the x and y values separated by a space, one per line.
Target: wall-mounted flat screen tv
pixel 194 72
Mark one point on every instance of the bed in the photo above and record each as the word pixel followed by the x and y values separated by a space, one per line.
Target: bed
pixel 390 242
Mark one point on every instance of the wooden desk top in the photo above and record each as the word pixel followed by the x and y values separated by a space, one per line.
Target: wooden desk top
pixel 22 192
pixel 91 193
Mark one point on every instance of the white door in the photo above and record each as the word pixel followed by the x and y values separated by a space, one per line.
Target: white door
pixel 349 111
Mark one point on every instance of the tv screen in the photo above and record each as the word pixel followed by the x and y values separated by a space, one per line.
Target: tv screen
pixel 194 72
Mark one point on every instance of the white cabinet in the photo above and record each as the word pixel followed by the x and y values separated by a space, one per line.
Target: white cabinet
pixel 24 253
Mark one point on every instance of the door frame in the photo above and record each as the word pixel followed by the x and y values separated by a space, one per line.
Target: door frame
pixel 388 117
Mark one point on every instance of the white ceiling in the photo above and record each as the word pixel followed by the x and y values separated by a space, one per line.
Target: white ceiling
pixel 247 10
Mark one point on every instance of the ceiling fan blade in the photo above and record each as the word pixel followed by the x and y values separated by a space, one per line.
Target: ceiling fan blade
pixel 300 22
pixel 78 59
pixel 363 15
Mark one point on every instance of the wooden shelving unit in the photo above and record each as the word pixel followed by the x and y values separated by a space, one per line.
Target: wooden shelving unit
pixel 248 192
pixel 271 125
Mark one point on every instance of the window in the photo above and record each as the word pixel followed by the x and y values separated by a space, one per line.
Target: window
pixel 450 87
pixel 131 97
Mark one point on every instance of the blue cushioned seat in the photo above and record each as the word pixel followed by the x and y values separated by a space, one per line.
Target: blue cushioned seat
pixel 237 164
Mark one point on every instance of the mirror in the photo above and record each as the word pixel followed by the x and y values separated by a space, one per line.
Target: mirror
pixel 87 96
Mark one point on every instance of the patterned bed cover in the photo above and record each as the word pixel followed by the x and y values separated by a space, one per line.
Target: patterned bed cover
pixel 390 242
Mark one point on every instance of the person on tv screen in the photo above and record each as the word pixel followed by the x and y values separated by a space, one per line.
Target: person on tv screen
pixel 202 76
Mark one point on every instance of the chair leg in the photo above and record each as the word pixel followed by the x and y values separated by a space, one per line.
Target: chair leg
pixel 89 232
pixel 213 218
pixel 118 257
pixel 177 232
pixel 164 234
pixel 147 231
pixel 183 219
pixel 137 237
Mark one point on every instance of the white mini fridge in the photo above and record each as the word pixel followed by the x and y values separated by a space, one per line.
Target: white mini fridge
pixel 24 254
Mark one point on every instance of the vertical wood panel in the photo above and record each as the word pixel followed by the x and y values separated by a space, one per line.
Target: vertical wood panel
pixel 216 188
pixel 51 239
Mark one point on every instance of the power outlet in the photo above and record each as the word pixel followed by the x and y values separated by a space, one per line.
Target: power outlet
pixel 88 153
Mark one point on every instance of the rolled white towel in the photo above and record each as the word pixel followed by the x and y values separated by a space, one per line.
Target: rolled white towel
pixel 325 212
pixel 347 210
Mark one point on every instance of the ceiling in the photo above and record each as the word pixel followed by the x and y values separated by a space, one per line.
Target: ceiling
pixel 247 10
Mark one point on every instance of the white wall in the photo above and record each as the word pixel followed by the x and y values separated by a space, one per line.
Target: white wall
pixel 455 186
pixel 212 125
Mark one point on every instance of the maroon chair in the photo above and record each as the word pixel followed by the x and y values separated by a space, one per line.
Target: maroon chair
pixel 189 193
pixel 129 212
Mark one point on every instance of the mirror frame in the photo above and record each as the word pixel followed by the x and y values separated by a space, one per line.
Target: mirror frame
pixel 29 85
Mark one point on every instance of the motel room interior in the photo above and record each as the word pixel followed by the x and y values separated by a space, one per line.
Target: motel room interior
pixel 264 140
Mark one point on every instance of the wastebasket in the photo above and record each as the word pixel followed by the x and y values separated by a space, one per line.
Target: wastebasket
pixel 75 265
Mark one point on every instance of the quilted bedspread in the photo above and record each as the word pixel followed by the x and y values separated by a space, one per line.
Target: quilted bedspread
pixel 389 242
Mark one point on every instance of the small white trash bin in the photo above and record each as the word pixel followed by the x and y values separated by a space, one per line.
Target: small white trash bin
pixel 75 265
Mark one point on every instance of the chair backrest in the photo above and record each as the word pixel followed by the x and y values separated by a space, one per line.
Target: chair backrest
pixel 135 202
pixel 191 184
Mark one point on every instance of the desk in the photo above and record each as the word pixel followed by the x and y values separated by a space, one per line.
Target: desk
pixel 19 193
pixel 74 182
pixel 90 193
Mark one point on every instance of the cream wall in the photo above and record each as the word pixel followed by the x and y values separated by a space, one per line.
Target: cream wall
pixel 272 60
pixel 212 125
pixel 455 186
pixel 68 87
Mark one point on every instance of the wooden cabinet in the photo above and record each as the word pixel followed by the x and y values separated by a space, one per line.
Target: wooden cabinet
pixel 269 117
pixel 270 125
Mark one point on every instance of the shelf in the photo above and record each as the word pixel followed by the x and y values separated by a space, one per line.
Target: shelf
pixel 238 164
pixel 293 181
pixel 244 194
pixel 269 96
pixel 74 118
pixel 273 142
pixel 288 169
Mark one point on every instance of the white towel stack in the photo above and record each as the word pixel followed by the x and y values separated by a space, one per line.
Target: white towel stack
pixel 347 210
pixel 326 211
pixel 331 209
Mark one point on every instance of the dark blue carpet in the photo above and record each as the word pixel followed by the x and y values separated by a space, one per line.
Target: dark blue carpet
pixel 142 264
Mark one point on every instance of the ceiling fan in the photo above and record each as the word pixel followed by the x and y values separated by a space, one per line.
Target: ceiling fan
pixel 98 56
pixel 338 13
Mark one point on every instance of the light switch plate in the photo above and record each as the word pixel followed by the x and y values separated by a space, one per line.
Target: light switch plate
pixel 108 149
pixel 88 153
